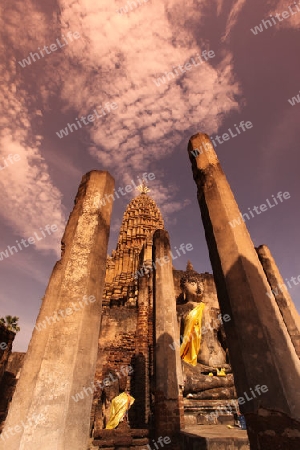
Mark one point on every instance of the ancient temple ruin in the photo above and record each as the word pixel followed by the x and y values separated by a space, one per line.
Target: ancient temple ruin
pixel 130 342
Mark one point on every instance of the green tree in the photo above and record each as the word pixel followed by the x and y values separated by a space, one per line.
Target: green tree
pixel 11 323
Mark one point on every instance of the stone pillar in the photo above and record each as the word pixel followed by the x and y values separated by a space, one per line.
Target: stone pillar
pixel 61 358
pixel 279 289
pixel 142 393
pixel 260 348
pixel 168 372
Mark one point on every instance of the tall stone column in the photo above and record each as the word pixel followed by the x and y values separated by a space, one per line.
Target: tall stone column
pixel 168 373
pixel 261 351
pixel 46 412
pixel 279 289
pixel 142 392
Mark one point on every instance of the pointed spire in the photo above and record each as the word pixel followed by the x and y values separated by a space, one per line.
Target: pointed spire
pixel 189 266
pixel 140 220
pixel 143 188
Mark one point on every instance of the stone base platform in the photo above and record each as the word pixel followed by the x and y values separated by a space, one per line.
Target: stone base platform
pixel 208 412
pixel 213 437
pixel 121 439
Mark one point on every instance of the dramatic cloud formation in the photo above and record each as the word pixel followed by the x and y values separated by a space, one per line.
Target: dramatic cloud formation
pixel 128 53
pixel 29 199
pixel 118 59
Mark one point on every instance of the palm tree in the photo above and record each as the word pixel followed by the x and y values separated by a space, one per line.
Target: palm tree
pixel 11 323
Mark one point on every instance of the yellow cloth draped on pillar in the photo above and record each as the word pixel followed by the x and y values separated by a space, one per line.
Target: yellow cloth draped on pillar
pixel 118 409
pixel 190 346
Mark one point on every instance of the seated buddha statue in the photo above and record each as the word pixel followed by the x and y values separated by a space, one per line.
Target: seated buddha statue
pixel 203 343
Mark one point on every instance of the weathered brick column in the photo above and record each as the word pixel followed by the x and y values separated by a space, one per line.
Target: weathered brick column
pixel 168 373
pixel 142 385
pixel 283 299
pixel 61 358
pixel 261 350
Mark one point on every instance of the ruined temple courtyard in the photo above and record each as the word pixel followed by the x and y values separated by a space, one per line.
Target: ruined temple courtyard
pixel 156 357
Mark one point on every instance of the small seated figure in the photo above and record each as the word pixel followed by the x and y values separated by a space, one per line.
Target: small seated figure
pixel 119 409
pixel 107 407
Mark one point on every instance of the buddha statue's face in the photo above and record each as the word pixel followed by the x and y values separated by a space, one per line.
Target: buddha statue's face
pixel 193 289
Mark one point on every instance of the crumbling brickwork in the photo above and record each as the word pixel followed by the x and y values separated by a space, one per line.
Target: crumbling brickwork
pixel 7 379
pixel 6 340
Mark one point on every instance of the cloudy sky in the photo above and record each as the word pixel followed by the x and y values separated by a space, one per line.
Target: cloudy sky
pixel 108 52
